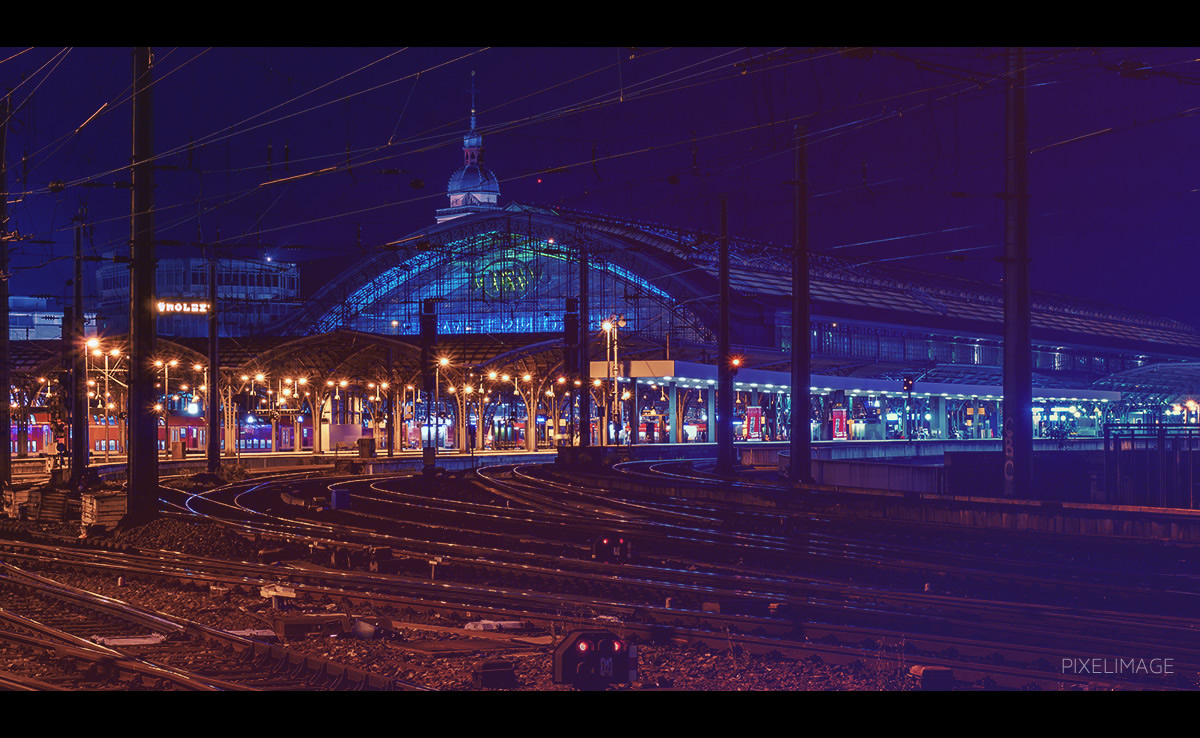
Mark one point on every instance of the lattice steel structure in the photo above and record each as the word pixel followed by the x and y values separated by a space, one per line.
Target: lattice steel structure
pixel 510 273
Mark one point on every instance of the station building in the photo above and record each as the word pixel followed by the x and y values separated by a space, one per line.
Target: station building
pixel 500 276
pixel 254 295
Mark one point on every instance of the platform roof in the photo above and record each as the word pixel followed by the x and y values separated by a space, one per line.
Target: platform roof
pixel 691 374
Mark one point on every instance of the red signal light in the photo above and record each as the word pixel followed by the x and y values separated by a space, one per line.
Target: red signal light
pixel 584 646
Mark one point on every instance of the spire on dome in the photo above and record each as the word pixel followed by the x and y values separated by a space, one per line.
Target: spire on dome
pixel 472 101
pixel 473 188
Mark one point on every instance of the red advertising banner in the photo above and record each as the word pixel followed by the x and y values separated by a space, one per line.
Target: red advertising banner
pixel 754 424
pixel 838 418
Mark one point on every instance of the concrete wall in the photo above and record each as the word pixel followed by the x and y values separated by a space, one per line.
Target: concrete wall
pixel 877 475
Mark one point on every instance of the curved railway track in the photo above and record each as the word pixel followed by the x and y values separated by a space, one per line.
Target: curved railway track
pixel 516 543
pixel 722 578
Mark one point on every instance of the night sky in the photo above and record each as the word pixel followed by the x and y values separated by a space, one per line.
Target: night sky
pixel 314 153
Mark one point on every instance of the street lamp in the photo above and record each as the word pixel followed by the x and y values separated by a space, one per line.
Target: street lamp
pixel 106 401
pixel 411 414
pixel 166 367
pixel 437 402
pixel 612 328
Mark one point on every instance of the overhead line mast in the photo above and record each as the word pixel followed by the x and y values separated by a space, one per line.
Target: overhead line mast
pixel 5 363
pixel 143 426
pixel 1018 354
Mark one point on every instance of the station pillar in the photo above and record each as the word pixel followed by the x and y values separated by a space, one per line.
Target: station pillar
pixel 937 417
pixel 710 410
pixel 673 412
pixel 635 412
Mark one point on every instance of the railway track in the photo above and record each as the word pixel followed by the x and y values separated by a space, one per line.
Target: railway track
pixel 61 637
pixel 517 547
pixel 745 589
pixel 972 659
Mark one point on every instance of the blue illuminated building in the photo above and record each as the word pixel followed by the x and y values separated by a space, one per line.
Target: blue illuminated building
pixel 507 270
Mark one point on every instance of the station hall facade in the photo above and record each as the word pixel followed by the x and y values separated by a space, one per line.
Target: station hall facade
pixel 501 277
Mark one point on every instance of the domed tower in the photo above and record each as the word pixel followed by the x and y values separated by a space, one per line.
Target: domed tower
pixel 473 188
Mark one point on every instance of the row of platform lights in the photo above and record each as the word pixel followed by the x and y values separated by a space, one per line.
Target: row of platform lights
pixel 610 326
pixel 287 390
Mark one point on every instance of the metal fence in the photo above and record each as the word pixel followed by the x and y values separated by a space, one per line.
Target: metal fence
pixel 1151 465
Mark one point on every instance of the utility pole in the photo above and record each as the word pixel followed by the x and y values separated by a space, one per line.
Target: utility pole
pixel 391 405
pixel 724 419
pixel 5 360
pixel 143 421
pixel 214 371
pixel 800 442
pixel 78 359
pixel 584 391
pixel 429 381
pixel 1018 355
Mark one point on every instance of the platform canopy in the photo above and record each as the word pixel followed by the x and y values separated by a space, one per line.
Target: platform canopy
pixel 1162 383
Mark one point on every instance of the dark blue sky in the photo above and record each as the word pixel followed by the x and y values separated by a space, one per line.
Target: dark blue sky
pixel 906 151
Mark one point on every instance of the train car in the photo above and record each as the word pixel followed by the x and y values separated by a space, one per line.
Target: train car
pixel 40 438
pixel 108 435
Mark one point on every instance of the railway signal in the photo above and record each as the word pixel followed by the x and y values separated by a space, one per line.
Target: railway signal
pixel 612 549
pixel 594 659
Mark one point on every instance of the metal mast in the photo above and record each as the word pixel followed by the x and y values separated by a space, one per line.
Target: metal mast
pixel 1018 363
pixel 800 441
pixel 143 421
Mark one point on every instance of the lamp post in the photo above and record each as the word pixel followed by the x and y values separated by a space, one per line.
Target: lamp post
pixel 433 420
pixel 410 414
pixel 105 402
pixel 166 403
pixel 612 328
pixel 297 389
pixel 527 396
pixel 437 402
pixel 207 405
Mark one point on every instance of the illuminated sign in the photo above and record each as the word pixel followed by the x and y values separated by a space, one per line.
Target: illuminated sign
pixel 174 306
pixel 506 279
